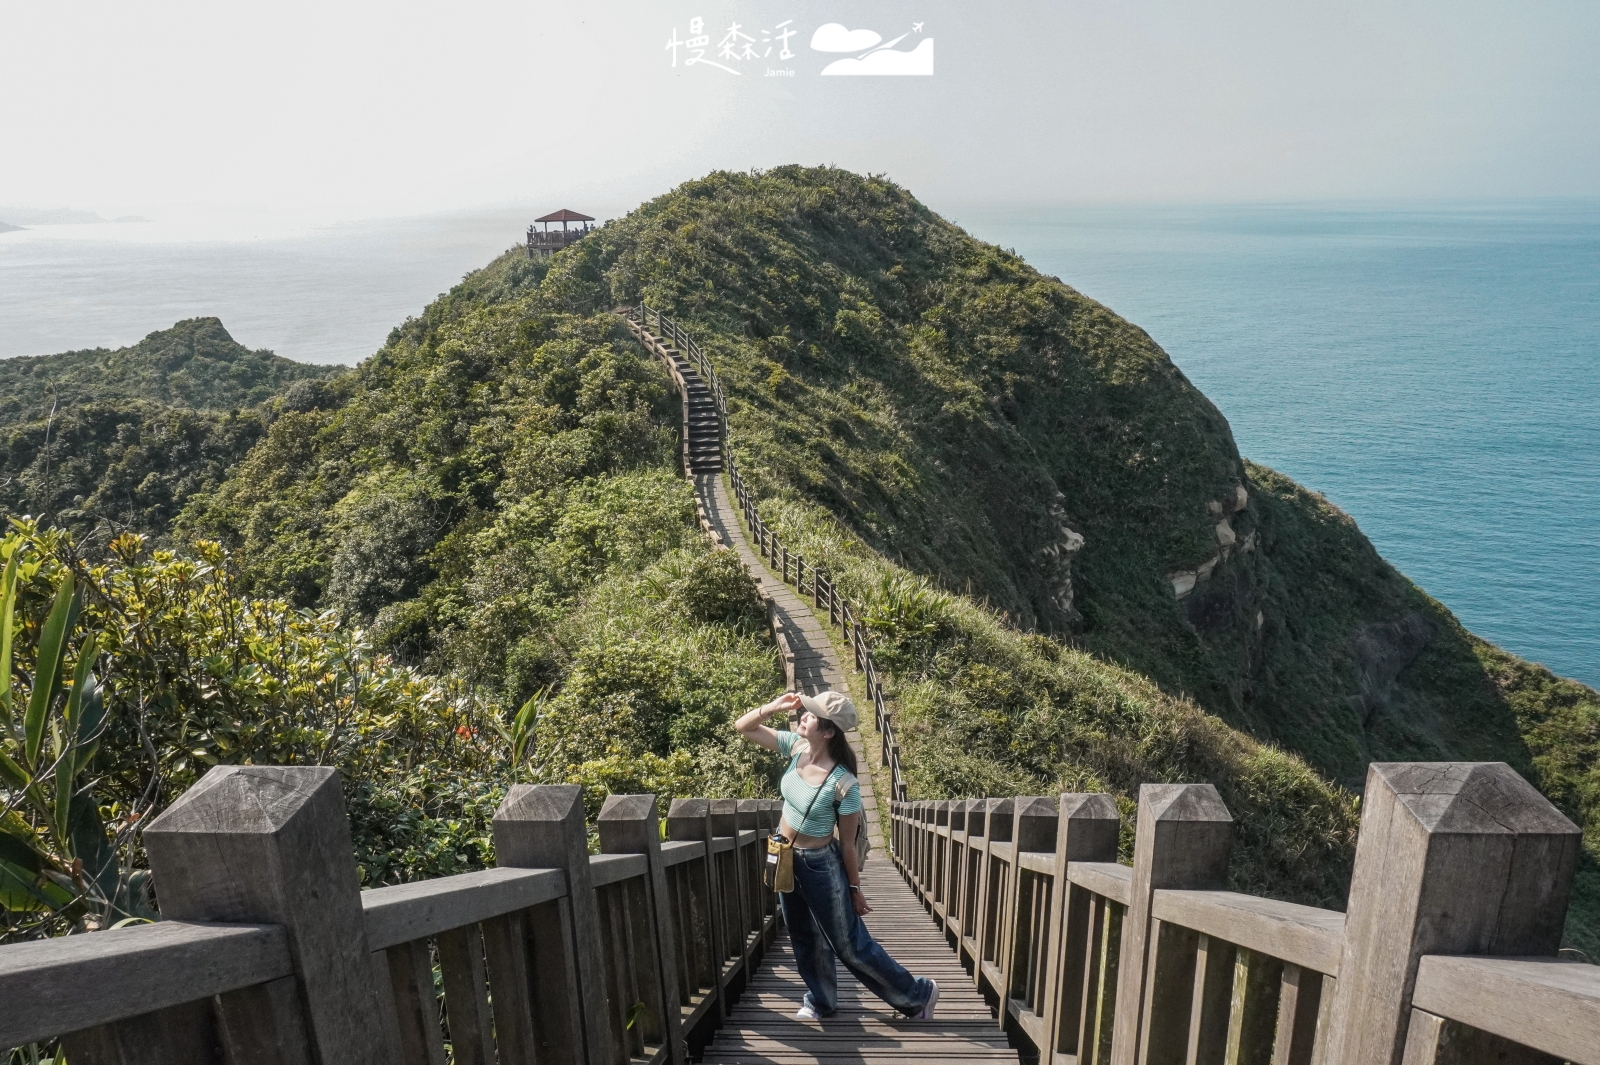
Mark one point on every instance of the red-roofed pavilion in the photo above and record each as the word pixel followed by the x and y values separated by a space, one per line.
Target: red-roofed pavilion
pixel 548 241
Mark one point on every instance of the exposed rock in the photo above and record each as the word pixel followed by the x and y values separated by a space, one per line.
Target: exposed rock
pixel 1219 511
pixel 1058 557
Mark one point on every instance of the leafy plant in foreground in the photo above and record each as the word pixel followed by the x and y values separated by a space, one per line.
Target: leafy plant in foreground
pixel 57 862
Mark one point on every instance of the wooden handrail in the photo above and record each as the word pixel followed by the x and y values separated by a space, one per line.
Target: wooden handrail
pixel 405 912
pixel 61 985
pixel 530 955
pixel 1109 963
pixel 1551 1006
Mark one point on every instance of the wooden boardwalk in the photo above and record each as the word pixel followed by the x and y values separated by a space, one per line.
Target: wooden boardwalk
pixel 762 1027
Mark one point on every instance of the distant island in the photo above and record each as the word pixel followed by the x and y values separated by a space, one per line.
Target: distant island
pixel 22 217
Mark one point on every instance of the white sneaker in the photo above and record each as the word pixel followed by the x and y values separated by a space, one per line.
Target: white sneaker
pixel 933 1000
pixel 806 1013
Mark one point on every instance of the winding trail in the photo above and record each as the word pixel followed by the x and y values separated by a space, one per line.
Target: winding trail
pixel 761 1026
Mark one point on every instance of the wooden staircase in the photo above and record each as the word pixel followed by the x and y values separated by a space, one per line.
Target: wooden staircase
pixel 702 437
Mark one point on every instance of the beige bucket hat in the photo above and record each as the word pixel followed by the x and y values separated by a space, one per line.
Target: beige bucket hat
pixel 833 706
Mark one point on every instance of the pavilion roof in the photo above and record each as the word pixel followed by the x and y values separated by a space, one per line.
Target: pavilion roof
pixel 565 215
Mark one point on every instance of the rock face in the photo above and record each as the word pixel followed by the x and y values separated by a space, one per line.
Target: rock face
pixel 1056 559
pixel 1220 512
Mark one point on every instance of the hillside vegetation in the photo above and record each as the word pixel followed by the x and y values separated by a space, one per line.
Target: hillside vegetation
pixel 1017 444
pixel 124 438
pixel 495 494
pixel 469 563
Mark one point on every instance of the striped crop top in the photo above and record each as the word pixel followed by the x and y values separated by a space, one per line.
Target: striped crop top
pixel 797 794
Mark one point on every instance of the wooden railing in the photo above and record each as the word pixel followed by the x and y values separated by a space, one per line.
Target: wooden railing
pixel 1448 952
pixel 271 955
pixel 807 579
pixel 551 241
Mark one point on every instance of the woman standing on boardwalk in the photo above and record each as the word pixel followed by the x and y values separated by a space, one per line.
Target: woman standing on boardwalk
pixel 825 908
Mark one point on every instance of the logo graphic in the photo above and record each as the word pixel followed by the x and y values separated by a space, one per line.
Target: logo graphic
pixel 875 58
pixel 735 45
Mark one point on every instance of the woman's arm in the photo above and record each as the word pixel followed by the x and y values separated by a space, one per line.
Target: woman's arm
pixel 852 875
pixel 750 725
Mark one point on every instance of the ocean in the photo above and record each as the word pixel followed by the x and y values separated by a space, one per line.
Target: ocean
pixel 1431 370
pixel 1435 372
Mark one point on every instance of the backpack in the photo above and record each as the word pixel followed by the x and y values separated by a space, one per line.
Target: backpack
pixel 863 843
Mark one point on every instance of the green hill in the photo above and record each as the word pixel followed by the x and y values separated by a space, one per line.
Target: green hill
pixel 973 421
pixel 1075 580
pixel 137 431
pixel 194 364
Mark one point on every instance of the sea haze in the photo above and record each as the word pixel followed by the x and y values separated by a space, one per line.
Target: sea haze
pixel 1431 371
pixel 1434 372
pixel 316 294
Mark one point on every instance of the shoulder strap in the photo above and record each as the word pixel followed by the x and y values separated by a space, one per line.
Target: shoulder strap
pixel 814 795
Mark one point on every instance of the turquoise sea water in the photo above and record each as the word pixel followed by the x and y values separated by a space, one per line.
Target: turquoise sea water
pixel 1435 372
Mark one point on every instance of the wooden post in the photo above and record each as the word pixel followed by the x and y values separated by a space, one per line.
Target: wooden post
pixel 941 858
pixel 628 825
pixel 991 893
pixel 735 896
pixel 1184 839
pixel 690 819
pixel 271 845
pixel 1453 858
pixel 972 873
pixel 961 815
pixel 749 821
pixel 1034 828
pixel 922 816
pixel 1087 829
pixel 543 827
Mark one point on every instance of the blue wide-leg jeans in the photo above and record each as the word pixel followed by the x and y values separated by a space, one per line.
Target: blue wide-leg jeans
pixel 823 925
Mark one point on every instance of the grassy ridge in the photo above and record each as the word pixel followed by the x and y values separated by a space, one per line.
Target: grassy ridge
pixel 986 427
pixel 495 492
pixel 195 364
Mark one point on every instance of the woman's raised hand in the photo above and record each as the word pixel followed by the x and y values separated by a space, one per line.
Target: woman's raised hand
pixel 750 725
pixel 787 703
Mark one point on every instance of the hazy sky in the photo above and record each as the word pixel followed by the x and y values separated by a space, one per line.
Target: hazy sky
pixel 342 110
